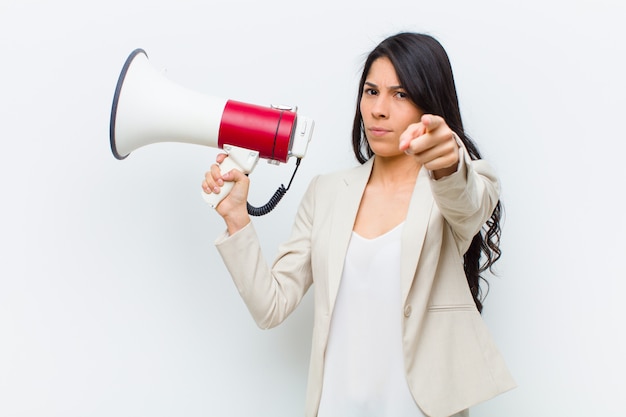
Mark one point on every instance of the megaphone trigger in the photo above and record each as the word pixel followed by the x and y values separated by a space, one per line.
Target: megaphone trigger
pixel 242 159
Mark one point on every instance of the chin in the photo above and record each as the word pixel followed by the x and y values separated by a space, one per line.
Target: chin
pixel 384 148
pixel 386 151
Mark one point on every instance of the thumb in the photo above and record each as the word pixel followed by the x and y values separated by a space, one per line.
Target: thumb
pixel 431 122
pixel 233 175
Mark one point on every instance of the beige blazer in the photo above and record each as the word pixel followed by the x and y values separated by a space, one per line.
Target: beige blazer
pixel 450 359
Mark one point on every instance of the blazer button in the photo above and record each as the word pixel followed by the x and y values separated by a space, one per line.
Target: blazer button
pixel 407 311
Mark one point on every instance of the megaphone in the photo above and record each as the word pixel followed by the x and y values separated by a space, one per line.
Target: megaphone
pixel 148 108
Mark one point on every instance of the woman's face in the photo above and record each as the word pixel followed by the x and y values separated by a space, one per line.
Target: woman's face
pixel 386 109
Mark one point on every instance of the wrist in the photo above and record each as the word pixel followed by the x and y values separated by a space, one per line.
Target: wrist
pixel 236 221
pixel 444 172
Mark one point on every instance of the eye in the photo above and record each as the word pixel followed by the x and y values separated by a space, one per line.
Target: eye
pixel 402 95
pixel 370 92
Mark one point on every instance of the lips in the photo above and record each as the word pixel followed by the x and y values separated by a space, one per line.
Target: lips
pixel 378 131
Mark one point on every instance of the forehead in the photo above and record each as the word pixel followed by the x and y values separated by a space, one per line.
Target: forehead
pixel 382 73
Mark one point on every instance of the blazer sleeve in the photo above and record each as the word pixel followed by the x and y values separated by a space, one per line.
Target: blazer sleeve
pixel 467 197
pixel 272 293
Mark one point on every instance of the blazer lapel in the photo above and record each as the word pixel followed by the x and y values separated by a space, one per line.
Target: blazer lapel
pixel 414 231
pixel 350 192
pixel 349 195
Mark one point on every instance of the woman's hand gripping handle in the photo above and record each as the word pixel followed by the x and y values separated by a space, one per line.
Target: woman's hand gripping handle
pixel 225 186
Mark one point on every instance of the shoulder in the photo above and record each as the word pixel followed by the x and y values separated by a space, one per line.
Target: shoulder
pixel 327 188
pixel 345 176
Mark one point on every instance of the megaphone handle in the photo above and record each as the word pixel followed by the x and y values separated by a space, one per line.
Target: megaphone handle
pixel 241 159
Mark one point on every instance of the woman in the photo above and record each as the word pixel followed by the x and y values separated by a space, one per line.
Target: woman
pixel 393 247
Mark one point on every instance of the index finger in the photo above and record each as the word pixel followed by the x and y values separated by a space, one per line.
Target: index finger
pixel 220 157
pixel 412 131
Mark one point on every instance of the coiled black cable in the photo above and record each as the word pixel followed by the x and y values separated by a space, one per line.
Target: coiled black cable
pixel 275 199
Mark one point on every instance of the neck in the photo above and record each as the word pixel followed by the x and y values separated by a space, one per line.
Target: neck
pixel 394 171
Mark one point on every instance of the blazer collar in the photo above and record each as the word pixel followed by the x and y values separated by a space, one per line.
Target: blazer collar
pixel 415 227
pixel 350 191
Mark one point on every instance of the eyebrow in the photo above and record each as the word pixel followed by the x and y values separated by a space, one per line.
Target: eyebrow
pixel 392 87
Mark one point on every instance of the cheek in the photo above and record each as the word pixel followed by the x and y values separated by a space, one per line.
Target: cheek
pixel 412 117
pixel 418 113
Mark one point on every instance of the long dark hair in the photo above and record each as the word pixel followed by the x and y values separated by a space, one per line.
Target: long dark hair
pixel 424 71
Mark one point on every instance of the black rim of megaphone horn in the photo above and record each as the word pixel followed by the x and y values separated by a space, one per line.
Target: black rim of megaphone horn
pixel 116 97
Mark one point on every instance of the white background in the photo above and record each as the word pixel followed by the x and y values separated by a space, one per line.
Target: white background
pixel 113 300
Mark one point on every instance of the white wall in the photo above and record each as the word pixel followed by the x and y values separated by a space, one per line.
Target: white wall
pixel 113 300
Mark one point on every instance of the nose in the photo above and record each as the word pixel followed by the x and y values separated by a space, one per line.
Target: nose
pixel 380 107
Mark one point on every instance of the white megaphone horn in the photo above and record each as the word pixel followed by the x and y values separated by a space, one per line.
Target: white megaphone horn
pixel 148 108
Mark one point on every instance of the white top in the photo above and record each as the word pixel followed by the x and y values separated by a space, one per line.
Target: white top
pixel 364 371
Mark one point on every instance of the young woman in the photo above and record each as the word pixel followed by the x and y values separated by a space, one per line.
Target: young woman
pixel 394 250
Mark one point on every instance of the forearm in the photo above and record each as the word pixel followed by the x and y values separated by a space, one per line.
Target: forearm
pixel 467 197
pixel 270 294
